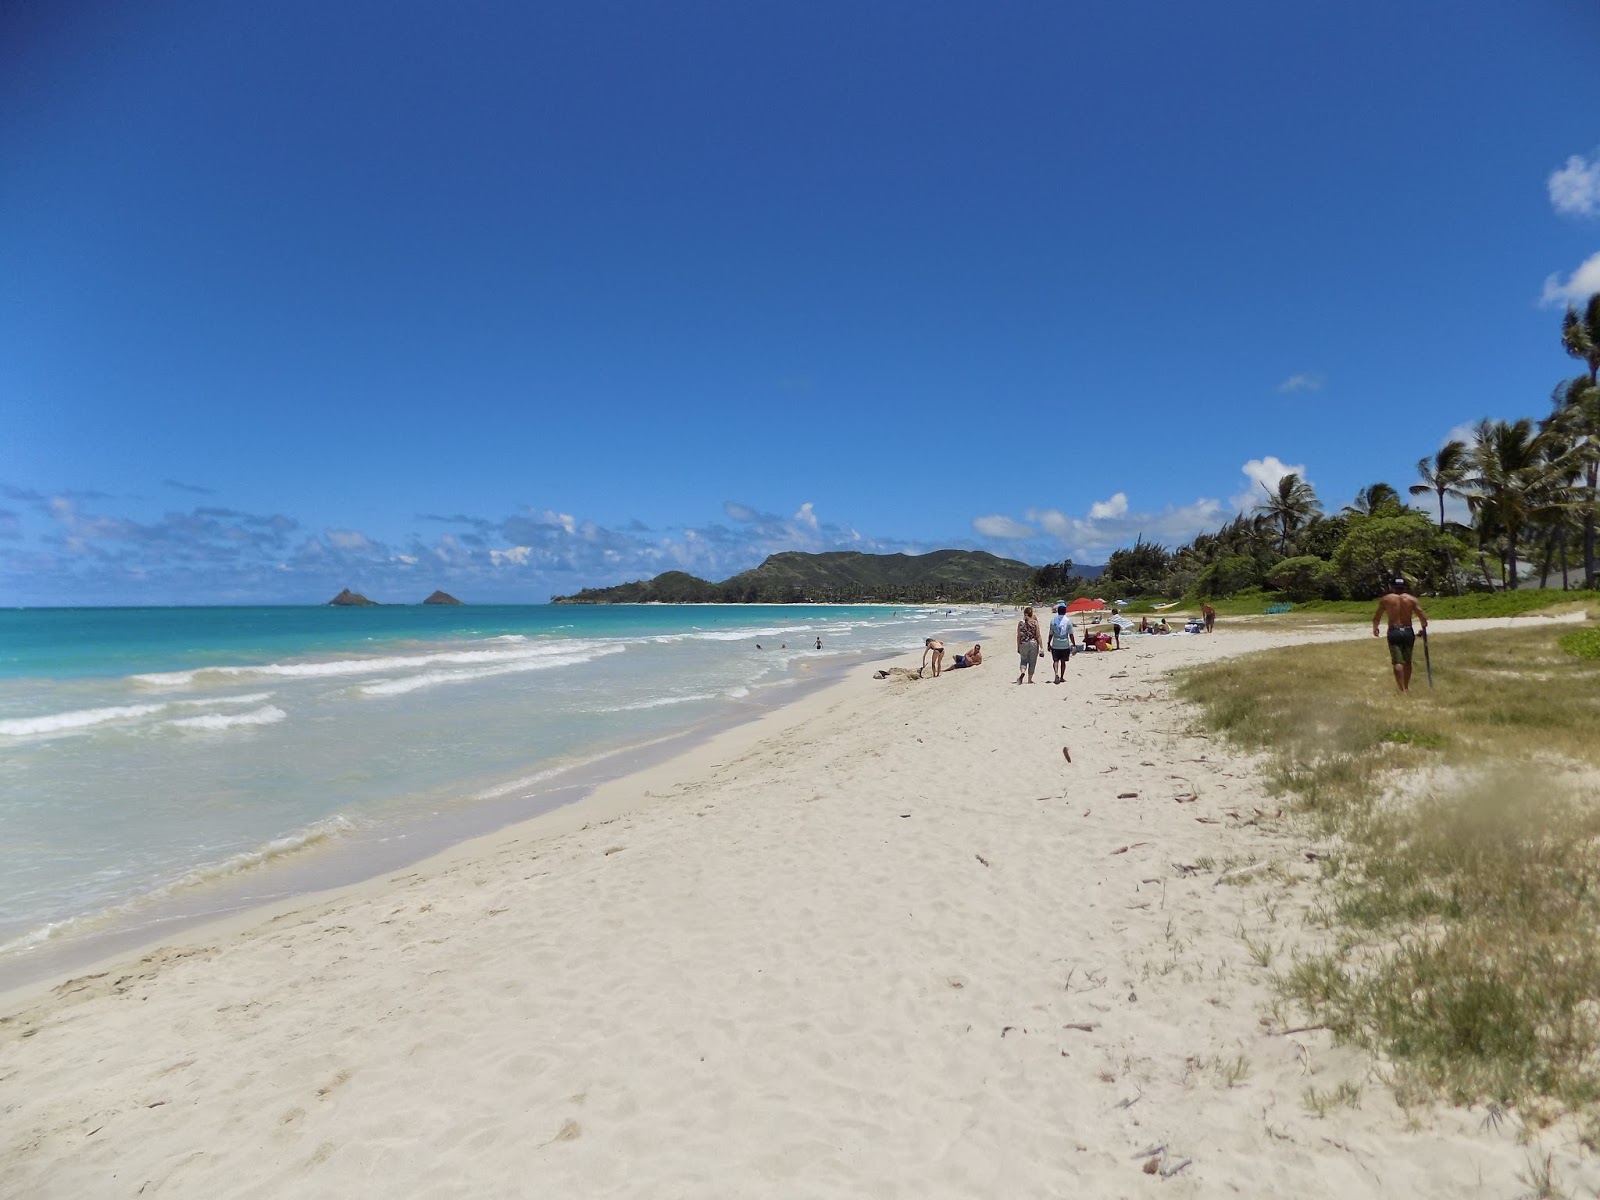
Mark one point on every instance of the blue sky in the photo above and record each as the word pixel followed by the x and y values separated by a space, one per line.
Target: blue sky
pixel 515 298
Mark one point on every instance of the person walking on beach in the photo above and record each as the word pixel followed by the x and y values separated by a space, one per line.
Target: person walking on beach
pixel 1062 641
pixel 1400 607
pixel 934 647
pixel 1028 640
pixel 1210 615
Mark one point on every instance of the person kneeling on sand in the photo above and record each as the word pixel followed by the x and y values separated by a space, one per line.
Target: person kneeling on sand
pixel 972 658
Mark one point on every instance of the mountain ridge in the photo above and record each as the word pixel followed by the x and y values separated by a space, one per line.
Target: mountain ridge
pixel 832 577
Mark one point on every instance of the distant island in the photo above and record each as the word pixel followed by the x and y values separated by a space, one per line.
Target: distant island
pixel 835 577
pixel 349 599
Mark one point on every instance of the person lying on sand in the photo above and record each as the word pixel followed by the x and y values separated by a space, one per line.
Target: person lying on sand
pixel 972 658
pixel 934 647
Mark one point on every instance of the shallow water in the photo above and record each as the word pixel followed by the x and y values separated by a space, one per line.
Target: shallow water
pixel 149 757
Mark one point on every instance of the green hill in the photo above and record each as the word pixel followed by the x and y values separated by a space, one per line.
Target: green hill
pixel 837 577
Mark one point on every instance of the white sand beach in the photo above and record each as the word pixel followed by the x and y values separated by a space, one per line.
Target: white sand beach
pixel 885 942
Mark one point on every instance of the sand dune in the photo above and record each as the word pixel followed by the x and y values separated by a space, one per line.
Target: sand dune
pixel 887 942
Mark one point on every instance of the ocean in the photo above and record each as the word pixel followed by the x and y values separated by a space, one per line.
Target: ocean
pixel 159 766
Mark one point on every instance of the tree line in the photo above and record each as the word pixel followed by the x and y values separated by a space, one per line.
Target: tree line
pixel 1530 488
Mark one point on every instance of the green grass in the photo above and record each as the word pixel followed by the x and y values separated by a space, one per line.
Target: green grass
pixel 1585 643
pixel 1464 919
pixel 1522 602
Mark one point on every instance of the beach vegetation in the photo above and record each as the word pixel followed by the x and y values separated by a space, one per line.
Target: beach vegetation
pixel 1305 577
pixel 1467 887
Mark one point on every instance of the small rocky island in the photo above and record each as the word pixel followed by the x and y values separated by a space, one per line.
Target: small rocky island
pixel 349 599
pixel 441 598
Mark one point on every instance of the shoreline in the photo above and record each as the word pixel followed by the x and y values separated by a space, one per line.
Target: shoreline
pixel 333 866
pixel 884 940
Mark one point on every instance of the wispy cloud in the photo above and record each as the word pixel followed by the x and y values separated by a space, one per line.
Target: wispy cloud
pixel 1575 188
pixel 96 554
pixel 997 525
pixel 195 488
pixel 1305 382
pixel 1579 286
pixel 1115 522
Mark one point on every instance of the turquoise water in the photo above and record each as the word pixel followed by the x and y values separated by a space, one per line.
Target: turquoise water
pixel 154 754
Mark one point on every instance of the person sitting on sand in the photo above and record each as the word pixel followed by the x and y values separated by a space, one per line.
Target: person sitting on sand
pixel 934 647
pixel 972 658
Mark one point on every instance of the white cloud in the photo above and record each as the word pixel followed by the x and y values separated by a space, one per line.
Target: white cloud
pixel 517 555
pixel 1575 188
pixel 1302 383
pixel 999 526
pixel 1583 283
pixel 1114 523
pixel 1264 472
pixel 806 516
pixel 1103 510
pixel 348 539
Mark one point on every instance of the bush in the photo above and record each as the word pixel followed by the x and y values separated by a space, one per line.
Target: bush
pixel 1229 575
pixel 1377 548
pixel 1303 578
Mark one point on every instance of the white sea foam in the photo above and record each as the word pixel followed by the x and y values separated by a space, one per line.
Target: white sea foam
pixel 81 718
pixel 549 773
pixel 659 702
pixel 269 714
pixel 252 698
pixel 412 683
pixel 377 665
pixel 311 835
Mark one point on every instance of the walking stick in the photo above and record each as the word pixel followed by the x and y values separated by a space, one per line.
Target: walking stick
pixel 1427 659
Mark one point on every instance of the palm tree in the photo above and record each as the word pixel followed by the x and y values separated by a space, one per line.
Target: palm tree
pixel 1443 474
pixel 1577 418
pixel 1580 336
pixel 1514 482
pixel 1371 500
pixel 1291 506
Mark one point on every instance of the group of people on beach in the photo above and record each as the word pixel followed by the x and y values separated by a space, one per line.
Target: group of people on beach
pixel 1399 605
pixel 933 648
pixel 1063 641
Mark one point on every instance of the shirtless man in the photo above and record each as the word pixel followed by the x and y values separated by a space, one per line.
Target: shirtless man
pixel 934 647
pixel 1400 606
pixel 972 658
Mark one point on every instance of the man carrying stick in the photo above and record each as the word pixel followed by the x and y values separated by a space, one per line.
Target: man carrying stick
pixel 1400 606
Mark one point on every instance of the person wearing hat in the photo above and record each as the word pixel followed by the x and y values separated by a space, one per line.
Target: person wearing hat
pixel 1062 640
pixel 1401 607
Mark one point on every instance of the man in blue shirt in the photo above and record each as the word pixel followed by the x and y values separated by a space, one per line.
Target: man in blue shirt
pixel 1062 640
